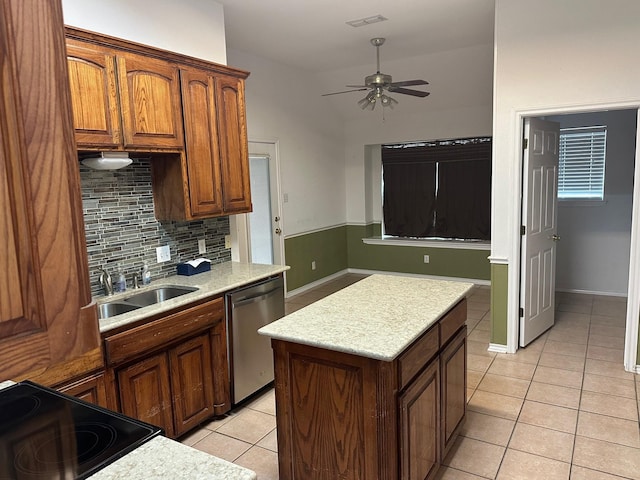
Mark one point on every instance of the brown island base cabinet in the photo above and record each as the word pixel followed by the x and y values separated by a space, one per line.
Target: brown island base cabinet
pixel 345 416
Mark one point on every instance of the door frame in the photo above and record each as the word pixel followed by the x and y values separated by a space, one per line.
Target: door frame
pixel 516 192
pixel 239 224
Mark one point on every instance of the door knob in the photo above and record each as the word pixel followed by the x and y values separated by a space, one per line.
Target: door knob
pixel 555 238
pixel 278 231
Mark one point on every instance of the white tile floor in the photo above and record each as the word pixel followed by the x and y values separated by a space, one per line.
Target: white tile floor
pixel 562 408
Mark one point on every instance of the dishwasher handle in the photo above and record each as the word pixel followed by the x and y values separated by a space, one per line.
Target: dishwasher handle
pixel 258 298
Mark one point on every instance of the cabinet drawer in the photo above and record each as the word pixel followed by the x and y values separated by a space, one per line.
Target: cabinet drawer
pixel 452 321
pixel 417 356
pixel 157 333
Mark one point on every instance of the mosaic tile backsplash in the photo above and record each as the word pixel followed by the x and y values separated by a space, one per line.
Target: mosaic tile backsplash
pixel 122 231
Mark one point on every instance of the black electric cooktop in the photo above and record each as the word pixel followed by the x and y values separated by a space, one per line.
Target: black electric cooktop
pixel 45 434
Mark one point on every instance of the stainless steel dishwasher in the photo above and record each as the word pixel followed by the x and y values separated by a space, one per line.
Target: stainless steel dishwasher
pixel 250 354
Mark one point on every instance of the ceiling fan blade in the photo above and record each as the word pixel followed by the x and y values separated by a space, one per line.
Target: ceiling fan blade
pixel 408 91
pixel 345 91
pixel 356 86
pixel 408 83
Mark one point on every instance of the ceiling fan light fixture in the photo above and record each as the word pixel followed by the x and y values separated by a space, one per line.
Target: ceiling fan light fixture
pixel 387 101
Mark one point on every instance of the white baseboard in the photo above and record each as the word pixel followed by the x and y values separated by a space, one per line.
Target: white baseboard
pixel 497 348
pixel 317 283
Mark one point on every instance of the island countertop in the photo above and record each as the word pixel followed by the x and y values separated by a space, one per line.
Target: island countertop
pixel 377 317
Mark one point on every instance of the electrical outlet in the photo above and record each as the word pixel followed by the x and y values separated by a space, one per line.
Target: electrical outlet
pixel 227 241
pixel 202 246
pixel 163 254
pixel 313 265
pixel 426 259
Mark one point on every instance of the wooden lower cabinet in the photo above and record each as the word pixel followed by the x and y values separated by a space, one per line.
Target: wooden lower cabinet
pixel 191 383
pixel 420 426
pixel 172 390
pixel 172 371
pixel 145 392
pixel 345 416
pixel 453 378
pixel 91 389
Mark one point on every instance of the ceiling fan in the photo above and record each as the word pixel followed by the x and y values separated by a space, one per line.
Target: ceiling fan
pixel 378 83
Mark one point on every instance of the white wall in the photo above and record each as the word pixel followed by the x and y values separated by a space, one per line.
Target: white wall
pixel 593 253
pixel 190 27
pixel 552 56
pixel 284 105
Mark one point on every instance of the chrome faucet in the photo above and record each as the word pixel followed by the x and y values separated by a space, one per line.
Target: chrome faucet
pixel 105 281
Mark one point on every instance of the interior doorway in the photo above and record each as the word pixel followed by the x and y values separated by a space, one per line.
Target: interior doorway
pixel 598 253
pixel 264 223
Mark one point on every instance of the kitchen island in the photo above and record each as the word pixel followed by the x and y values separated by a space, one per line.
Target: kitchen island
pixel 371 381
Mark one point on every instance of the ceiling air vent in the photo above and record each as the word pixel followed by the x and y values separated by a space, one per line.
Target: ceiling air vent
pixel 367 21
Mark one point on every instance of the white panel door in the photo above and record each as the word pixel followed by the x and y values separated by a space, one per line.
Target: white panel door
pixel 539 216
pixel 264 223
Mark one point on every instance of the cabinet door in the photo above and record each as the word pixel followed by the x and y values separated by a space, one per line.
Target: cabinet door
pixel 92 78
pixel 145 392
pixel 91 389
pixel 191 383
pixel 453 362
pixel 419 426
pixel 221 384
pixel 48 326
pixel 201 142
pixel 150 102
pixel 234 150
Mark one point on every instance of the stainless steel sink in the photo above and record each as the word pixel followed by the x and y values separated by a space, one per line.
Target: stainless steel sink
pixel 157 295
pixel 111 309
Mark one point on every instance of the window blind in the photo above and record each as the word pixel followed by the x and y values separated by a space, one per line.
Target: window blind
pixel 582 162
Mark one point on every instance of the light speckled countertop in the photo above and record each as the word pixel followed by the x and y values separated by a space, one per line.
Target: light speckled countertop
pixel 377 317
pixel 162 458
pixel 221 278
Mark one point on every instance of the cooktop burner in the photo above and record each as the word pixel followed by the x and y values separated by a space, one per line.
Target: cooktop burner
pixel 45 434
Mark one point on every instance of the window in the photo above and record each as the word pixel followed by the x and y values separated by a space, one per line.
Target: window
pixel 582 157
pixel 438 189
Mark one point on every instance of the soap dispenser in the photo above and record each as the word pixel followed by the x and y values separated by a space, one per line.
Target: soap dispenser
pixel 146 274
pixel 121 283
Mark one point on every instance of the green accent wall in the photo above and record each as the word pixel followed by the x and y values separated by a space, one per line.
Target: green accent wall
pixel 328 248
pixel 446 262
pixel 499 296
pixel 339 248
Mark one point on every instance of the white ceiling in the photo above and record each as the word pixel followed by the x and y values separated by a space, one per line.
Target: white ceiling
pixel 313 35
pixel 434 40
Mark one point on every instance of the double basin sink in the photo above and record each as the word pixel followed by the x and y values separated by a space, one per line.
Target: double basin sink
pixel 142 299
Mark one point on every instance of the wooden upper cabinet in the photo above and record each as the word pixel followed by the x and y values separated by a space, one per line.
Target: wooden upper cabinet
pixel 190 113
pixel 94 97
pixel 149 91
pixel 48 323
pixel 202 150
pixel 234 150
pixel 123 100
pixel 212 178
